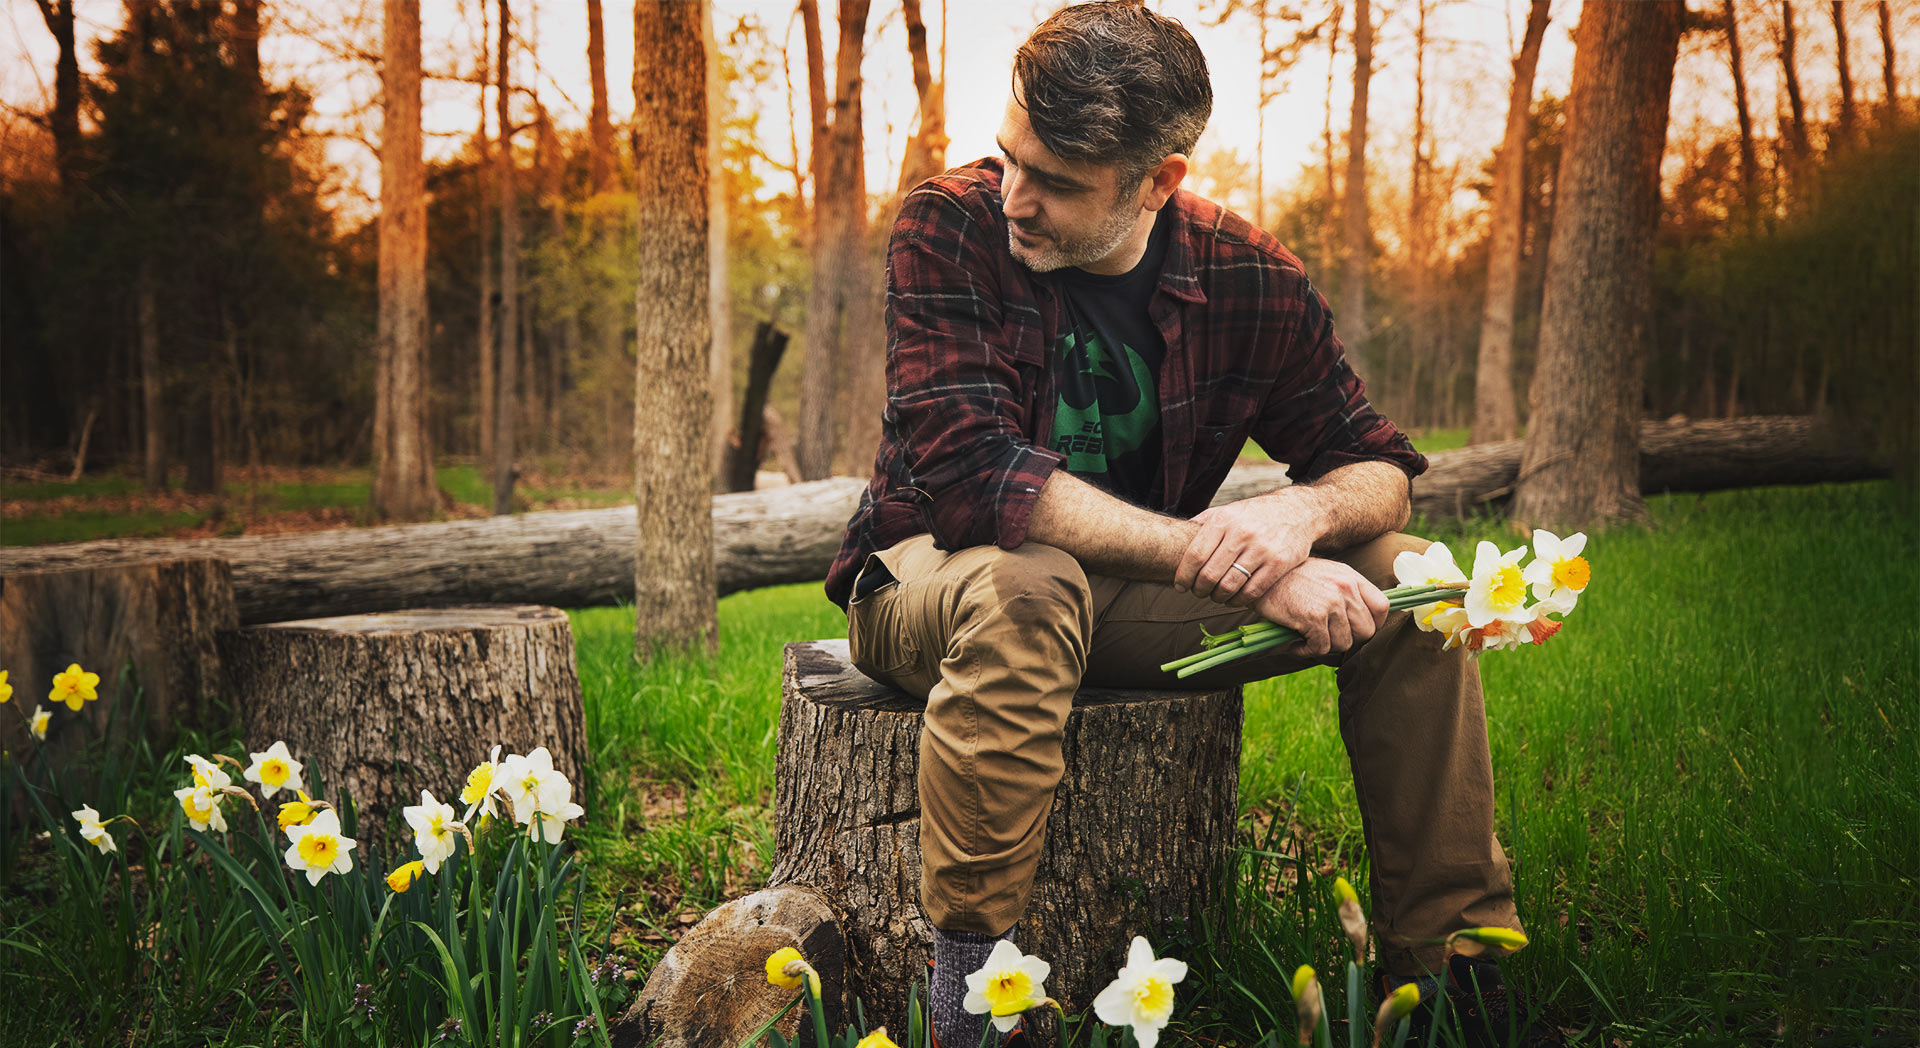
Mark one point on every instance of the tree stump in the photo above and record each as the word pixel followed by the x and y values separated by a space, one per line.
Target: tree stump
pixel 1138 841
pixel 159 615
pixel 382 706
pixel 711 989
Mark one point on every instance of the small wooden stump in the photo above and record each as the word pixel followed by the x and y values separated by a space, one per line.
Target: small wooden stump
pixel 1139 838
pixel 159 615
pixel 385 705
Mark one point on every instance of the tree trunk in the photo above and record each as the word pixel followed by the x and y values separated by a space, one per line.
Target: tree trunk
pixel 1358 239
pixel 819 117
pixel 1891 103
pixel 926 154
pixel 839 222
pixel 1421 341
pixel 484 401
pixel 1581 466
pixel 743 460
pixel 673 575
pixel 1495 416
pixel 1749 167
pixel 711 989
pixel 719 297
pixel 508 357
pixel 847 824
pixel 599 123
pixel 1331 203
pixel 403 485
pixel 151 385
pixel 1841 61
pixel 1789 69
pixel 64 120
pixel 380 707
pixel 158 615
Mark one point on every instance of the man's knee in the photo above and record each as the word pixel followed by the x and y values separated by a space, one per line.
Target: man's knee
pixel 1374 560
pixel 1034 583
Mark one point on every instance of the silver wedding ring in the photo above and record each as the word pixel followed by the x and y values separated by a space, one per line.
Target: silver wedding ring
pixel 1241 570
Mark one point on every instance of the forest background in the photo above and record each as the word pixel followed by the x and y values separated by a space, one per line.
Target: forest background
pixel 187 212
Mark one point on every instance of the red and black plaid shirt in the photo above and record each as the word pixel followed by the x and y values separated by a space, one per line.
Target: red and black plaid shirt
pixel 963 448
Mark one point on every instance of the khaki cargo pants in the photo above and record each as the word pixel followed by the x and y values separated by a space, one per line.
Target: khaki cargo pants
pixel 998 641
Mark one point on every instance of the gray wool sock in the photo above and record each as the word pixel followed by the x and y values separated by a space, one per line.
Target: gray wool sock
pixel 957 955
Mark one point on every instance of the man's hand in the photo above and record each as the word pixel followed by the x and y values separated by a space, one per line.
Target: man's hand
pixel 1333 606
pixel 1244 548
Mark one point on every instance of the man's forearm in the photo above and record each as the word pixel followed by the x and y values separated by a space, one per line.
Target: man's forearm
pixel 1356 503
pixel 1105 534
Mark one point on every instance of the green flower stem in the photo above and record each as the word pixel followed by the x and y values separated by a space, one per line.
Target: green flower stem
pixel 1218 649
pixel 1355 1006
pixel 816 1007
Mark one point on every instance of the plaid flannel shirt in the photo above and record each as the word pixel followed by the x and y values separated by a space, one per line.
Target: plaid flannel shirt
pixel 963 450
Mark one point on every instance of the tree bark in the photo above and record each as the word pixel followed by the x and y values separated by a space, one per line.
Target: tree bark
pixel 743 460
pixel 926 154
pixel 1358 238
pixel 711 989
pixel 1495 416
pixel 147 319
pixel 403 485
pixel 484 400
pixel 1789 68
pixel 1331 204
pixel 1890 104
pixel 839 222
pixel 1842 63
pixel 380 707
pixel 719 297
pixel 819 116
pixel 508 357
pixel 158 615
pixel 599 122
pixel 1581 467
pixel 64 120
pixel 1749 166
pixel 673 575
pixel 847 824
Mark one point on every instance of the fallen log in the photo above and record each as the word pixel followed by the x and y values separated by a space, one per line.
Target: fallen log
pixel 584 558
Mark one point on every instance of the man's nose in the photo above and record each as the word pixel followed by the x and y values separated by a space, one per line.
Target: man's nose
pixel 1016 199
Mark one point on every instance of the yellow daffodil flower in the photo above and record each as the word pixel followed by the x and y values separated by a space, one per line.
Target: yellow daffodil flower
pixel 403 877
pixel 274 769
pixel 37 724
pixel 1007 985
pixel 6 690
pixel 297 813
pixel 202 807
pixel 1498 589
pixel 877 1039
pixel 1141 995
pixel 786 968
pixel 318 848
pixel 74 686
pixel 479 790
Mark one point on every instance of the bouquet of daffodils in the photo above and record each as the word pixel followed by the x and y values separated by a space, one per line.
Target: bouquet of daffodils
pixel 1487 612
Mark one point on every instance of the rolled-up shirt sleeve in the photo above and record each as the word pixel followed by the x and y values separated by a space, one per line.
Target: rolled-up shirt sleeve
pixel 954 399
pixel 1321 420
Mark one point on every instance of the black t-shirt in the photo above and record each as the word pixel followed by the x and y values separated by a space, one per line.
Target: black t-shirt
pixel 1106 368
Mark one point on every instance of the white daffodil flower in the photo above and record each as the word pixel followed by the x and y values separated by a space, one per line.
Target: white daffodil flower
pixel 434 829
pixel 1558 571
pixel 207 774
pixel 1431 568
pixel 532 785
pixel 91 830
pixel 548 825
pixel 275 770
pixel 37 726
pixel 1141 996
pixel 478 793
pixel 202 805
pixel 319 849
pixel 1498 589
pixel 1007 985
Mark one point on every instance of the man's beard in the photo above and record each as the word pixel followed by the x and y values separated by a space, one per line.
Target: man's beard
pixel 1077 251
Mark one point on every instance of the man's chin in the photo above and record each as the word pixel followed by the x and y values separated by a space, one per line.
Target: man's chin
pixel 1037 259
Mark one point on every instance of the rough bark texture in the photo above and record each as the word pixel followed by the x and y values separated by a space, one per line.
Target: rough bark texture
pixel 783 535
pixel 159 615
pixel 507 360
pixel 403 486
pixel 1137 842
pixel 711 989
pixel 599 122
pixel 1495 416
pixel 1358 238
pixel 1581 465
pixel 834 314
pixel 383 706
pixel 673 476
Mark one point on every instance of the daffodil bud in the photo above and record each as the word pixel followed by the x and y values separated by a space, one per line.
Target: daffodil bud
pixel 1306 1002
pixel 1472 942
pixel 1398 1005
pixel 786 969
pixel 877 1039
pixel 403 877
pixel 1354 921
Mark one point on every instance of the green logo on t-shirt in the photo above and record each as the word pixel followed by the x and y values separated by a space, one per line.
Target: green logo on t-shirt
pixel 1107 405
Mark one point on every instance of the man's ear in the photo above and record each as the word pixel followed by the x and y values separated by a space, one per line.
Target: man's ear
pixel 1164 179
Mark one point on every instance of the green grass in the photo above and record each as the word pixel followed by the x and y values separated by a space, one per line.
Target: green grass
pixel 1427 441
pixel 1708 783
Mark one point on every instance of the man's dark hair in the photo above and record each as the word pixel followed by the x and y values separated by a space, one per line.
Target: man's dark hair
pixel 1113 83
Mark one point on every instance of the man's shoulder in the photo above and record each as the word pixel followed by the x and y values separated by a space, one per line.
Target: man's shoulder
pixel 1223 239
pixel 973 189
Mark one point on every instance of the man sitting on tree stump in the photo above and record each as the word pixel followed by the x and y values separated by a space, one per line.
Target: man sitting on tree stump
pixel 1077 349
